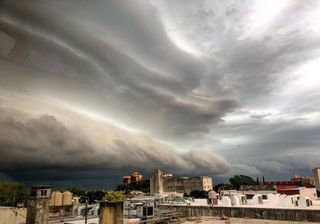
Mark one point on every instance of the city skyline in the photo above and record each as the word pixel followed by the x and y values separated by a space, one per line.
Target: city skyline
pixel 91 90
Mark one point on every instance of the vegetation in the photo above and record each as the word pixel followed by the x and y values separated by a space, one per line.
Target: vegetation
pixel 221 187
pixel 13 193
pixel 143 186
pixel 239 180
pixel 76 191
pixel 114 196
pixel 93 196
pixel 198 194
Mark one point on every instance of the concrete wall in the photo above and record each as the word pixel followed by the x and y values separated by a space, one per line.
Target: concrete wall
pixel 245 212
pixel 11 215
pixel 308 192
pixel 111 212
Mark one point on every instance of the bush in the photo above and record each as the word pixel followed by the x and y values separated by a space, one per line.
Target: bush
pixel 114 196
pixel 13 193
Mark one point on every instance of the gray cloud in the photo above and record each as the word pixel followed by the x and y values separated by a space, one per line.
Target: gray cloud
pixel 149 94
pixel 46 142
pixel 235 78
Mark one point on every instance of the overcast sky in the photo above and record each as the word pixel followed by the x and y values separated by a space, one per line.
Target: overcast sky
pixel 91 90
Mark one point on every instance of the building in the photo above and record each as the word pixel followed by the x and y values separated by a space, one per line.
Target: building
pixel 134 177
pixel 60 204
pixel 306 180
pixel 161 183
pixel 303 186
pixel 316 175
pixel 38 204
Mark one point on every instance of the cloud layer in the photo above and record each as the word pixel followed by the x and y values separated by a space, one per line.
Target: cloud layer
pixel 195 86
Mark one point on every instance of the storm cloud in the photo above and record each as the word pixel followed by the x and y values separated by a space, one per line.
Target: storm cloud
pixel 198 87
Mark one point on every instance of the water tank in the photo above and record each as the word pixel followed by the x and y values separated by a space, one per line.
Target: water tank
pixel 67 198
pixel 51 203
pixel 212 195
pixel 56 199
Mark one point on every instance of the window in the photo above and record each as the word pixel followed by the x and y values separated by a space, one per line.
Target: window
pixel 43 192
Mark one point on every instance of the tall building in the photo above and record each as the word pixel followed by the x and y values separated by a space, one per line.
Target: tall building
pixel 316 175
pixel 134 177
pixel 38 205
pixel 156 185
pixel 162 183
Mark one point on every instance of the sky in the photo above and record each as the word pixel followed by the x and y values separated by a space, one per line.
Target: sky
pixel 93 90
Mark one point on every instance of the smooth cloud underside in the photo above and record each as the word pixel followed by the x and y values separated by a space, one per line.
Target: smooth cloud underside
pixel 238 79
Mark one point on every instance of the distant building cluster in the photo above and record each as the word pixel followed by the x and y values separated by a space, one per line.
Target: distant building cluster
pixel 163 183
pixel 134 177
pixel 165 189
pixel 297 185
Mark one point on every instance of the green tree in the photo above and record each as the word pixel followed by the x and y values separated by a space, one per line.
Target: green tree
pixel 222 186
pixel 143 186
pixel 13 193
pixel 198 194
pixel 95 196
pixel 76 191
pixel 114 196
pixel 239 180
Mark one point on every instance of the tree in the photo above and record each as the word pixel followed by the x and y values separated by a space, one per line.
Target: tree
pixel 13 193
pixel 239 180
pixel 222 186
pixel 114 196
pixel 143 186
pixel 198 194
pixel 76 191
pixel 93 196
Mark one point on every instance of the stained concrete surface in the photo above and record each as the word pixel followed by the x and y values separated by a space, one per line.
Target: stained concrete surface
pixel 217 220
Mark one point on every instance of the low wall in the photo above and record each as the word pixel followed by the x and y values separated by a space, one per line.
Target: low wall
pixel 247 212
pixel 11 215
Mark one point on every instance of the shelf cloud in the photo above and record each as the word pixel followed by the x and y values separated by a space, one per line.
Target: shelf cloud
pixel 197 87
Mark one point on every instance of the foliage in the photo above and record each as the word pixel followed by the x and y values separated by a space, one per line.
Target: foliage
pixel 198 194
pixel 114 196
pixel 94 195
pixel 143 186
pixel 13 193
pixel 239 180
pixel 76 191
pixel 222 186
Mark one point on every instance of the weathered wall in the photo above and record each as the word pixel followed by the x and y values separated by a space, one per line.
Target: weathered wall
pixel 11 215
pixel 38 211
pixel 111 212
pixel 245 212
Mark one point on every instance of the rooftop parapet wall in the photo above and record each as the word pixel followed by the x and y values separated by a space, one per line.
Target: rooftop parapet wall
pixel 246 212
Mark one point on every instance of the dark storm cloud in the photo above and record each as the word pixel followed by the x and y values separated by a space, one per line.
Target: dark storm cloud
pixel 234 77
pixel 46 142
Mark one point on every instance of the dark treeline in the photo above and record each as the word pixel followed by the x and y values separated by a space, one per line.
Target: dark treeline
pixel 13 194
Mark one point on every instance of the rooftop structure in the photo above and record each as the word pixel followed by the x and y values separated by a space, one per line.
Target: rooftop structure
pixel 161 183
pixel 38 204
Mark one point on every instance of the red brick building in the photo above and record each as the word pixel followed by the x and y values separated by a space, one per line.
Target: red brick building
pixel 134 177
